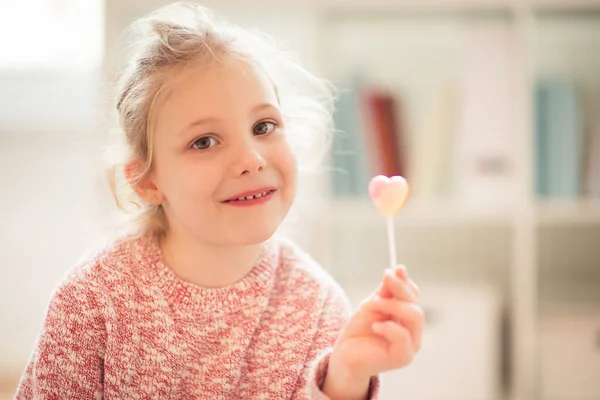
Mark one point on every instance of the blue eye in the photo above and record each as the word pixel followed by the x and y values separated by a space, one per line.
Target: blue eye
pixel 264 128
pixel 205 142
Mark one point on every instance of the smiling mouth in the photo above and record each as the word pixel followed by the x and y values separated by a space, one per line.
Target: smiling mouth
pixel 252 197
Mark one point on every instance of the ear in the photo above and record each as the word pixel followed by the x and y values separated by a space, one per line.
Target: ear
pixel 145 188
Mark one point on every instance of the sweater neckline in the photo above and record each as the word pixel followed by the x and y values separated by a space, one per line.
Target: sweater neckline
pixel 248 292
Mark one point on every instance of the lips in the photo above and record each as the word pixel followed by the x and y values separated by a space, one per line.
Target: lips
pixel 252 194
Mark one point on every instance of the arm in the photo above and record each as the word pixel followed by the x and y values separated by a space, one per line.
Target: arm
pixel 336 312
pixel 67 361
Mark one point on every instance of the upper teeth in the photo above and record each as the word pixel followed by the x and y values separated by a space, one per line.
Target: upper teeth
pixel 256 196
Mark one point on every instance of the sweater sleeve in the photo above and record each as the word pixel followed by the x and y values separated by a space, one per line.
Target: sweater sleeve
pixel 67 361
pixel 336 311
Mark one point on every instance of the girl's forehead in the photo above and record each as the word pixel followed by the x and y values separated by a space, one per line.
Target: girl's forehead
pixel 221 80
pixel 215 90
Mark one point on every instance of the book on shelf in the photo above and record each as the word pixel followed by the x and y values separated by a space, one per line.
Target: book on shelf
pixel 380 114
pixel 567 141
pixel 591 180
pixel 349 172
pixel 432 155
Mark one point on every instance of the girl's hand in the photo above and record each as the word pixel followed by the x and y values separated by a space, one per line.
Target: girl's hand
pixel 382 335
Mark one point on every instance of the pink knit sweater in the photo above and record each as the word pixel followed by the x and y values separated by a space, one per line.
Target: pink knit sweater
pixel 123 326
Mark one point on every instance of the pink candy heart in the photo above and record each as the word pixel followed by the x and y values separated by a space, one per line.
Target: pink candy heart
pixel 388 194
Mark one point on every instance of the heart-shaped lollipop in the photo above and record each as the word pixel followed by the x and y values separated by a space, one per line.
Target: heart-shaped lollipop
pixel 388 196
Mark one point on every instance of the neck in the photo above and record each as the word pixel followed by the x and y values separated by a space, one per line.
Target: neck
pixel 208 265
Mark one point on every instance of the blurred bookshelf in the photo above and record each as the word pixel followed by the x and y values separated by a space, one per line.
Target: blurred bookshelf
pixel 457 84
pixel 507 188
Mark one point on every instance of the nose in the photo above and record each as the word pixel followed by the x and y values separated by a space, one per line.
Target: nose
pixel 248 159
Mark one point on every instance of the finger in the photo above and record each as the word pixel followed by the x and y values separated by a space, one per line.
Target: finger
pixel 410 315
pixel 402 273
pixel 398 288
pixel 383 290
pixel 399 339
pixel 392 332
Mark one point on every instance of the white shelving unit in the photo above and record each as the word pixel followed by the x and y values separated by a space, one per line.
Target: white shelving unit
pixel 498 245
pixel 524 218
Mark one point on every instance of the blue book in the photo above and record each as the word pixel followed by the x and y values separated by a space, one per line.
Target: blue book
pixel 541 150
pixel 341 175
pixel 565 140
pixel 559 139
pixel 350 171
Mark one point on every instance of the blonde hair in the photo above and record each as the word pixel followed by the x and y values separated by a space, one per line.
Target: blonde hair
pixel 171 39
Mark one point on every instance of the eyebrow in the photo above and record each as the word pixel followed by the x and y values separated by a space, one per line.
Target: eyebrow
pixel 207 120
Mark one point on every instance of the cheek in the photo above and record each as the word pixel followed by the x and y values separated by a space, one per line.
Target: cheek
pixel 187 181
pixel 288 164
pixel 200 181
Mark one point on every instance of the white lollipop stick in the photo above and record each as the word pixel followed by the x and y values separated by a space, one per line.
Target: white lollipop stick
pixel 391 242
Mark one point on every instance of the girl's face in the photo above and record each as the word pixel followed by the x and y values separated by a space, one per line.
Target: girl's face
pixel 222 163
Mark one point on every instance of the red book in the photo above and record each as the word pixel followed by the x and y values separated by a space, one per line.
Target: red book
pixel 381 132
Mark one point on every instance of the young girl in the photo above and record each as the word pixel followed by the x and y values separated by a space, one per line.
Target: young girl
pixel 201 300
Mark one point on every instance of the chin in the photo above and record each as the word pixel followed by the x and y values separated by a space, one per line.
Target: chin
pixel 255 233
pixel 255 236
